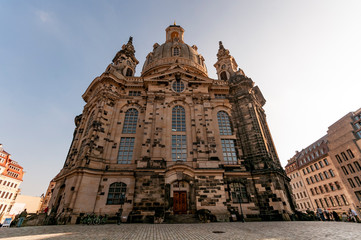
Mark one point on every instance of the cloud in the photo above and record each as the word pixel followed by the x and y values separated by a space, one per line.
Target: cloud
pixel 43 16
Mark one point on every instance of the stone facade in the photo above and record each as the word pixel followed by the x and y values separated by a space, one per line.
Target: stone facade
pixel 172 141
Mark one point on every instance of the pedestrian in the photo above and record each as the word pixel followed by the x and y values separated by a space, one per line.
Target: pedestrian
pixel 22 216
pixel 320 213
pixel 119 216
pixel 327 215
pixel 335 216
pixel 353 215
pixel 344 217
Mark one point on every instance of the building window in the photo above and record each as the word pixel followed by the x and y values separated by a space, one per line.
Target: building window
pixel 326 201
pixel 326 188
pixel 357 165
pixel 126 147
pixel 176 51
pixel 220 96
pixel 179 148
pixel 224 123
pixel 316 166
pixel 332 202
pixel 326 174
pixel 352 184
pixel 229 151
pixel 178 86
pixel 317 203
pixel 357 179
pixel 178 119
pixel 116 195
pixel 312 168
pixel 338 158
pixel 321 189
pixel 337 185
pixel 312 192
pixel 350 154
pixel 134 93
pixel 321 176
pixel 344 199
pixel 312 180
pixel 344 156
pixel 130 121
pixel 338 200
pixel 331 172
pixel 308 181
pixel 326 162
pixel 239 193
pixel 321 164
pixel 350 168
pixel 332 187
pixel 317 179
pixel 344 170
pixel 90 123
pixel 308 170
pixel 304 172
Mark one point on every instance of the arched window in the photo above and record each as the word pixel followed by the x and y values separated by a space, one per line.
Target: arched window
pixel 178 119
pixel 176 51
pixel 116 195
pixel 90 123
pixel 129 72
pixel 224 76
pixel 130 121
pixel 224 123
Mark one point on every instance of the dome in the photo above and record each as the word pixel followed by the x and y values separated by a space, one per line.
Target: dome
pixel 174 51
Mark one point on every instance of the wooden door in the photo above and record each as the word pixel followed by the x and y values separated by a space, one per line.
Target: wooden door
pixel 180 202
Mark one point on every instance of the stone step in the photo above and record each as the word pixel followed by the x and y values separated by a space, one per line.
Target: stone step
pixel 182 218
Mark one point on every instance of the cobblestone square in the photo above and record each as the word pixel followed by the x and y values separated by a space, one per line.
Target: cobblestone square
pixel 233 230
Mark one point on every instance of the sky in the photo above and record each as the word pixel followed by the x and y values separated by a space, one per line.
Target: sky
pixel 303 55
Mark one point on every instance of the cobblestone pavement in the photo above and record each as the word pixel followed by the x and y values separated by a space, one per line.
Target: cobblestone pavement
pixel 209 231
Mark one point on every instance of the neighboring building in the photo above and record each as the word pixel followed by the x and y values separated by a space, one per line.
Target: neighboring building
pixel 330 169
pixel 47 196
pixel 11 176
pixel 172 141
pixel 344 137
pixel 300 194
pixel 30 203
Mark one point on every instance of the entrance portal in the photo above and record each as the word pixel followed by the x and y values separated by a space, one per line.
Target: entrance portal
pixel 180 202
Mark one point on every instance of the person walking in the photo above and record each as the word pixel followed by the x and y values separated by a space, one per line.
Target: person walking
pixel 119 216
pixel 320 213
pixel 22 216
pixel 353 215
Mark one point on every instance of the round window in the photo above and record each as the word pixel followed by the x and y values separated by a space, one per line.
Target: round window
pixel 178 86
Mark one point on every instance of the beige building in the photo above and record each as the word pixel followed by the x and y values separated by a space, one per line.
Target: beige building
pixel 172 141
pixel 30 203
pixel 11 176
pixel 344 137
pixel 330 169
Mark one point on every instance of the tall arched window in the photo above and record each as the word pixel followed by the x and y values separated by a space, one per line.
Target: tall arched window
pixel 90 123
pixel 179 140
pixel 116 194
pixel 130 121
pixel 224 123
pixel 178 119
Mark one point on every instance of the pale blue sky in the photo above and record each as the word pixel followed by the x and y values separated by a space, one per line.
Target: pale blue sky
pixel 304 56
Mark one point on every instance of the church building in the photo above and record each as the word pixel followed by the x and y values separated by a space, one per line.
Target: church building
pixel 172 141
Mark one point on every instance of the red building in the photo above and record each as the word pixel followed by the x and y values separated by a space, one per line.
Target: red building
pixel 11 176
